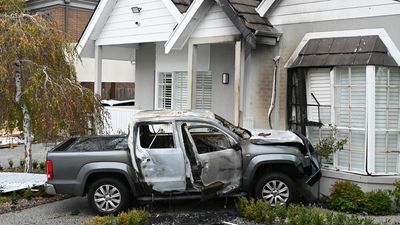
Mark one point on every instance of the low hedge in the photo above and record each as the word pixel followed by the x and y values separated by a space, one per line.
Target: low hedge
pixel 348 197
pixel 133 217
pixel 261 212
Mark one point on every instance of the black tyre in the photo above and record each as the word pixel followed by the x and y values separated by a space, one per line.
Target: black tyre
pixel 108 196
pixel 276 188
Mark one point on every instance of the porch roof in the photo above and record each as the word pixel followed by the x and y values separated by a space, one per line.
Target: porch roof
pixel 344 51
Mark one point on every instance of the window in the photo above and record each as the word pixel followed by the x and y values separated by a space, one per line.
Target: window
pixel 387 119
pixel 172 89
pixel 156 136
pixel 203 90
pixel 342 95
pixel 165 90
pixel 350 116
pixel 208 138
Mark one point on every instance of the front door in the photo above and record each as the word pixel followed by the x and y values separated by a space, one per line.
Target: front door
pixel 216 155
pixel 159 158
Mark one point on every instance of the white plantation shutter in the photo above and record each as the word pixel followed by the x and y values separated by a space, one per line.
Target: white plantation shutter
pixel 173 90
pixel 319 84
pixel 180 90
pixel 203 95
pixel 387 121
pixel 350 116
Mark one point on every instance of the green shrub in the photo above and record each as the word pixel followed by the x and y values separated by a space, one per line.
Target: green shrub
pixel 4 199
pixel 1 168
pixel 300 215
pixel 10 163
pixel 377 203
pixel 14 197
pixel 42 165
pixel 101 220
pixel 133 217
pixel 35 164
pixel 346 197
pixel 396 193
pixel 256 210
pixel 22 162
pixel 28 194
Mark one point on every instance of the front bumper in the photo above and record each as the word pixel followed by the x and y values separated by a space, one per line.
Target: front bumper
pixel 315 169
pixel 49 188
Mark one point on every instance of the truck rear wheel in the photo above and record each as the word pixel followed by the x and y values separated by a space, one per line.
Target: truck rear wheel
pixel 108 196
pixel 275 188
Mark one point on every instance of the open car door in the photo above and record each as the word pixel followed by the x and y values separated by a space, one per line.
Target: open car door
pixel 215 155
pixel 159 159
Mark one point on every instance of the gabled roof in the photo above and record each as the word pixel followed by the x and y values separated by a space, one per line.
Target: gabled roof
pixel 244 9
pixel 242 13
pixel 182 5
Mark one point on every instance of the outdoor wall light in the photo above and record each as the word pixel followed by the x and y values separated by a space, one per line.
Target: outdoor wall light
pixel 225 78
pixel 136 9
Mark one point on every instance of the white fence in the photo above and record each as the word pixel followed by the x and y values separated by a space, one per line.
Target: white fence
pixel 120 118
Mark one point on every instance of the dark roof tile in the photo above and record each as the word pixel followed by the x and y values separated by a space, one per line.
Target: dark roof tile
pixel 344 51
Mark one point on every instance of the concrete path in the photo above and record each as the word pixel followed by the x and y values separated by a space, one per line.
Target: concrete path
pixel 38 153
pixel 61 212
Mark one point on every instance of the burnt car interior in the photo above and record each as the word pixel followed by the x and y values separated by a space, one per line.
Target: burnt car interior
pixel 208 139
pixel 155 136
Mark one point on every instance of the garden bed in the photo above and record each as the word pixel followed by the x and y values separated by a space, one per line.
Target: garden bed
pixel 26 199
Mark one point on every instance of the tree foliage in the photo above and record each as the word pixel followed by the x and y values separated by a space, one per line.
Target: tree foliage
pixel 57 104
pixel 11 6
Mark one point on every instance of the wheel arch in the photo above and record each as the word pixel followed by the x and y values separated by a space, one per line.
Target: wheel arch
pixel 261 165
pixel 94 171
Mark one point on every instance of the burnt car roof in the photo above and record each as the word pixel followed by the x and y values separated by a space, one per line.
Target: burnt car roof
pixel 170 114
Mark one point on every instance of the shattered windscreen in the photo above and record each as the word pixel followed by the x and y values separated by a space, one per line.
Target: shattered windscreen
pixel 241 132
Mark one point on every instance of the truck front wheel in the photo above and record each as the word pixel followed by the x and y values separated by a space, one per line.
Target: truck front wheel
pixel 276 188
pixel 108 196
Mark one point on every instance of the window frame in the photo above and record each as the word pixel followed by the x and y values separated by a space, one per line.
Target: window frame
pixel 370 120
pixel 198 91
pixel 173 133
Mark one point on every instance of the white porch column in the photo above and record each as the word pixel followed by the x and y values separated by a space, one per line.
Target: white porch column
pixel 98 59
pixel 239 69
pixel 192 70
pixel 370 128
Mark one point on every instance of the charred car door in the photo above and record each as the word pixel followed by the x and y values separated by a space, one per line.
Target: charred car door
pixel 214 156
pixel 161 162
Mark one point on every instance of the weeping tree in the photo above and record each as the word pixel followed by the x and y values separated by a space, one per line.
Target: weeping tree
pixel 39 92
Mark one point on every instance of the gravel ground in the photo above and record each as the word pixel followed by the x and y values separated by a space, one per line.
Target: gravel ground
pixel 38 153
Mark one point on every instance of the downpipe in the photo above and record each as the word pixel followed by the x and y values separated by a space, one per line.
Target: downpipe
pixel 273 95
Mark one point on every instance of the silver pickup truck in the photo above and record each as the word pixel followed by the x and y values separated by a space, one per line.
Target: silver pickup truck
pixel 181 155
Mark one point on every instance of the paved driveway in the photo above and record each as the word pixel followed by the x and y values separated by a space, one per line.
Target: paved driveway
pixel 53 213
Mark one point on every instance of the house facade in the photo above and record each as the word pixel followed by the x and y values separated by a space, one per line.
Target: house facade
pixel 288 64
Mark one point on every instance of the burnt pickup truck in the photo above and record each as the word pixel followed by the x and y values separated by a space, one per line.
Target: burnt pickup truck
pixel 181 155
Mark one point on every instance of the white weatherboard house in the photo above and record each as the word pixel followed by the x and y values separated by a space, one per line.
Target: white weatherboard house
pixel 285 64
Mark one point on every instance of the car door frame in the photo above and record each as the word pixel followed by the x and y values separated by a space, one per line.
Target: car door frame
pixel 235 150
pixel 147 159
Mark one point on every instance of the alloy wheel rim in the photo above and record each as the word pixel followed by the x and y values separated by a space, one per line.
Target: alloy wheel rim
pixel 275 192
pixel 107 198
